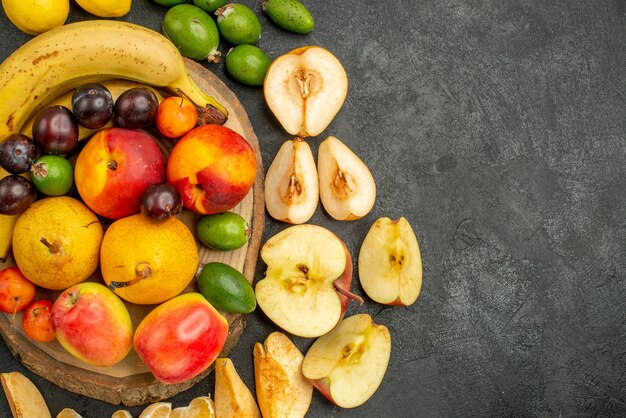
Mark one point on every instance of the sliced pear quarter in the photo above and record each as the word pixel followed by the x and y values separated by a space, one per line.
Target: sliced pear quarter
pixel 305 89
pixel 291 185
pixel 281 389
pixel 25 400
pixel 390 263
pixel 347 187
pixel 349 363
pixel 232 397
pixel 297 293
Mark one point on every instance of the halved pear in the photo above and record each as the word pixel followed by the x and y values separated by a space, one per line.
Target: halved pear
pixel 347 187
pixel 390 263
pixel 305 88
pixel 232 397
pixel 291 186
pixel 307 284
pixel 348 364
pixel 25 400
pixel 281 389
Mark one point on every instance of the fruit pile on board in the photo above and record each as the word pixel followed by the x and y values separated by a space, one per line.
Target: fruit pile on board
pixel 99 159
pixel 307 286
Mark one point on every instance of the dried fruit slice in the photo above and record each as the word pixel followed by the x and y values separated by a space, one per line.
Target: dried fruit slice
pixel 23 397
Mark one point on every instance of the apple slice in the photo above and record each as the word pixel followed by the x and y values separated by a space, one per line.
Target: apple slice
pixel 281 389
pixel 291 187
pixel 390 264
pixel 233 399
pixel 347 187
pixel 24 399
pixel 348 364
pixel 307 284
pixel 305 88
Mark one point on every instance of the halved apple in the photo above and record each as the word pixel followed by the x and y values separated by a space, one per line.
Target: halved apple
pixel 281 389
pixel 233 399
pixel 24 399
pixel 291 187
pixel 390 263
pixel 305 88
pixel 348 364
pixel 307 284
pixel 347 187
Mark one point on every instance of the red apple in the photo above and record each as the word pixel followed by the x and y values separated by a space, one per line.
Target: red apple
pixel 16 291
pixel 92 324
pixel 115 168
pixel 213 168
pixel 306 288
pixel 37 321
pixel 181 338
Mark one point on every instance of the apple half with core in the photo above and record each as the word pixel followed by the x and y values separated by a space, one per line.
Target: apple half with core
pixel 348 364
pixel 213 168
pixel 390 264
pixel 115 168
pixel 180 338
pixel 304 89
pixel 92 324
pixel 347 187
pixel 291 185
pixel 307 284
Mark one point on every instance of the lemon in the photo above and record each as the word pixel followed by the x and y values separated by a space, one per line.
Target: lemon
pixel 36 16
pixel 106 8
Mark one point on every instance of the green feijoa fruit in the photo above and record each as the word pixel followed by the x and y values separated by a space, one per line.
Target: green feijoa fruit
pixel 247 64
pixel 193 32
pixel 169 3
pixel 238 24
pixel 52 175
pixel 290 15
pixel 209 6
pixel 226 288
pixel 225 231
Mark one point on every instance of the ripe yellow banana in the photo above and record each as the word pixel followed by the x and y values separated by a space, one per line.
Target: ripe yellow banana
pixel 87 51
pixel 116 87
pixel 7 222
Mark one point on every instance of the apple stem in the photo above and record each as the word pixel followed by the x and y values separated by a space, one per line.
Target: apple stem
pixel 112 165
pixel 351 296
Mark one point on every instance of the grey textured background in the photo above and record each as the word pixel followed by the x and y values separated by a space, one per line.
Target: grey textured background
pixel 498 128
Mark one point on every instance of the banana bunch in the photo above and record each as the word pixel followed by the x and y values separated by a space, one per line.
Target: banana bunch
pixel 63 58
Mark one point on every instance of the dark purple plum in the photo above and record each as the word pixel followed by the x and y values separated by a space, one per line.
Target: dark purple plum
pixel 92 104
pixel 160 201
pixel 17 153
pixel 17 193
pixel 55 130
pixel 136 108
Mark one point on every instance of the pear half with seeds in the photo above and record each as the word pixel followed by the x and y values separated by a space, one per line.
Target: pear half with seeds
pixel 347 187
pixel 304 89
pixel 291 185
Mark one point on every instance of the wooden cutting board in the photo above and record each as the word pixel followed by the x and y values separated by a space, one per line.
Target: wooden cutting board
pixel 130 382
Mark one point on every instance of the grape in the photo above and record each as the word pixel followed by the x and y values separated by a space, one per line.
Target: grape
pixel 92 105
pixel 136 108
pixel 160 201
pixel 16 194
pixel 55 130
pixel 17 153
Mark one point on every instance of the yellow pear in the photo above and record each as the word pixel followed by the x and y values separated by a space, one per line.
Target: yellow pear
pixel 146 261
pixel 106 8
pixel 56 242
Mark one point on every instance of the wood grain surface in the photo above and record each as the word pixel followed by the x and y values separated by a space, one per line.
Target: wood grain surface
pixel 130 382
